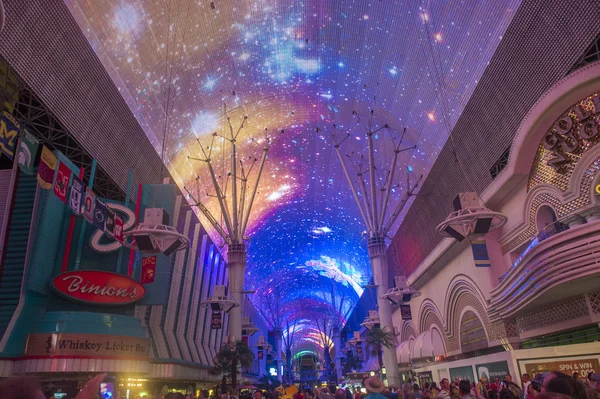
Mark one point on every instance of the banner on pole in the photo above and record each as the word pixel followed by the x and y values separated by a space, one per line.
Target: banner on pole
pixel 76 195
pixel 148 269
pixel 405 311
pixel 216 321
pixel 61 184
pixel 46 168
pixel 261 355
pixel 109 225
pixel 89 205
pixel 118 233
pixel 28 148
pixel 100 214
pixel 480 254
pixel 9 131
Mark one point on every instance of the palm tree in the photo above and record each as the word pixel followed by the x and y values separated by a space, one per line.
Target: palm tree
pixel 229 358
pixel 378 337
pixel 222 366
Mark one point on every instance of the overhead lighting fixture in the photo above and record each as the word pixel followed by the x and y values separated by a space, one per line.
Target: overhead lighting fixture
pixel 220 301
pixel 402 292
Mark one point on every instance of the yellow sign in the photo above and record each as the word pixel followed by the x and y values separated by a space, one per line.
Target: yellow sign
pixel 597 188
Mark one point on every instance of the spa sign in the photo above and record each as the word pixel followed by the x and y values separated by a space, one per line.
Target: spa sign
pixel 84 345
pixel 98 288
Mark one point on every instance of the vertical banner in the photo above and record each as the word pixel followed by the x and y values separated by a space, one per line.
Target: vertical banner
pixel 109 226
pixel 9 131
pixel 405 311
pixel 216 321
pixel 61 184
pixel 480 254
pixel 89 205
pixel 76 195
pixel 261 355
pixel 245 339
pixel 46 168
pixel 118 233
pixel 148 269
pixel 100 214
pixel 28 148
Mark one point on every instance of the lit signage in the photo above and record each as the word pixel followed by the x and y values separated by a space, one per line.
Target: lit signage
pixel 92 345
pixel 273 371
pixel 571 131
pixel 98 287
pixel 597 188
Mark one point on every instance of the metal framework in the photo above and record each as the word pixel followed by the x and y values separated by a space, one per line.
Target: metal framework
pixel 375 218
pixel 235 211
pixel 34 116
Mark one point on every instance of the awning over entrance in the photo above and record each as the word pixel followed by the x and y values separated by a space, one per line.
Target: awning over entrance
pixel 428 344
pixel 404 351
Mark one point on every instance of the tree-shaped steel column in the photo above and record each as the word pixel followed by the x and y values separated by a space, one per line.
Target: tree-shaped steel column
pixel 235 213
pixel 374 214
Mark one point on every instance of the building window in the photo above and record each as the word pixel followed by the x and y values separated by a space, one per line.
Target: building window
pixel 545 219
pixel 500 164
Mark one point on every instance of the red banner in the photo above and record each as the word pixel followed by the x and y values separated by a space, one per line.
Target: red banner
pixel 61 185
pixel 261 355
pixel 118 231
pixel 148 269
pixel 245 339
pixel 97 287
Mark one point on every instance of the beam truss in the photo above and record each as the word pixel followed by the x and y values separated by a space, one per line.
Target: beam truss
pixel 373 211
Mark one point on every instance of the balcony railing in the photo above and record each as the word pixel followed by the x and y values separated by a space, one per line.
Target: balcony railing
pixel 556 255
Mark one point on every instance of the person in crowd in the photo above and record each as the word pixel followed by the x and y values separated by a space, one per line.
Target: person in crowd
pixel 417 391
pixel 454 392
pixel 374 387
pixel 594 381
pixel 174 395
pixel 592 393
pixel 357 394
pixel 589 379
pixel 492 393
pixel 482 388
pixel 512 387
pixel 444 389
pixel 557 382
pixel 340 394
pixel 506 393
pixel 464 389
pixel 525 382
pixel 29 388
pixel 533 389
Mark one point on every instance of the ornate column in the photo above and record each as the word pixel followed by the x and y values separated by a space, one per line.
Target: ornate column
pixel 236 258
pixel 379 264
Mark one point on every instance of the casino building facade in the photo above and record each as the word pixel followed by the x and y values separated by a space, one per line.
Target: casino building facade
pixel 73 302
pixel 533 303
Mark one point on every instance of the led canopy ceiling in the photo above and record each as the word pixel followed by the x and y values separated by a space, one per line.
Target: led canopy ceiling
pixel 296 65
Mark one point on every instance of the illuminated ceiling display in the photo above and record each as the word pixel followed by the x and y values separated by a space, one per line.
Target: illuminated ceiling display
pixel 296 65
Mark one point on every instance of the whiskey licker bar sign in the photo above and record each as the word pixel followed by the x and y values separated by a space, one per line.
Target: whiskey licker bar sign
pixel 98 288
pixel 86 345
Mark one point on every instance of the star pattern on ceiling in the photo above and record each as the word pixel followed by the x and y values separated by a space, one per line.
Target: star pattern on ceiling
pixel 296 65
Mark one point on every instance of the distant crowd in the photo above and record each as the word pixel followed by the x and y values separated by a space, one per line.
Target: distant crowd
pixel 549 385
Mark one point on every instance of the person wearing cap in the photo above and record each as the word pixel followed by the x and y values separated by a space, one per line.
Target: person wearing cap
pixel 374 387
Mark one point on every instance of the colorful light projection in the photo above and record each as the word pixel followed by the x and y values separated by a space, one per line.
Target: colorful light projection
pixel 295 65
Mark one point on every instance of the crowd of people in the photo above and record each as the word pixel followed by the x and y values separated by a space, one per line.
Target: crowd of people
pixel 549 385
